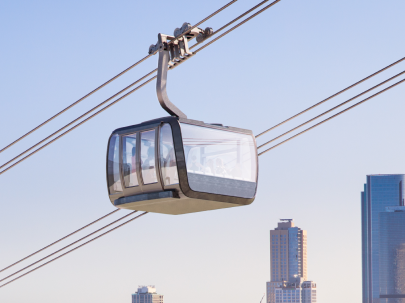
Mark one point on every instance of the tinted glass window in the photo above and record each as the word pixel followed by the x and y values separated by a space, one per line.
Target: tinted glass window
pixel 167 156
pixel 113 165
pixel 129 160
pixel 148 157
pixel 220 162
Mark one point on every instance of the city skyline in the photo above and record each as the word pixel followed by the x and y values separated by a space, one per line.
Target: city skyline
pixel 55 52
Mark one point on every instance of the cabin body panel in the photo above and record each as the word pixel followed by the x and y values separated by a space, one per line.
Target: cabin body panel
pixel 170 205
pixel 205 166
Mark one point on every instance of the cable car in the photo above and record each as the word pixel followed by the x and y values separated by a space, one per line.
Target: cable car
pixel 174 165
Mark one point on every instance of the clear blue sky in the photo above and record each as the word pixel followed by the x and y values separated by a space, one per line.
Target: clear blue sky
pixel 290 57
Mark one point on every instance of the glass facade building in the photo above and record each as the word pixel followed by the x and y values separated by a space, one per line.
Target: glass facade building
pixel 392 255
pixel 288 252
pixel 294 241
pixel 380 191
pixel 288 269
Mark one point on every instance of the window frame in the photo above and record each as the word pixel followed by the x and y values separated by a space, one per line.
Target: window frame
pixel 116 193
pixel 169 186
pixel 122 158
pixel 139 155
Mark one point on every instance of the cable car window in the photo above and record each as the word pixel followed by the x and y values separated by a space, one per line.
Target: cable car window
pixel 113 165
pixel 148 157
pixel 220 162
pixel 167 156
pixel 129 160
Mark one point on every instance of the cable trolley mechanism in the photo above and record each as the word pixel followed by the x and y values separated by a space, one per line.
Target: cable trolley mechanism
pixel 175 165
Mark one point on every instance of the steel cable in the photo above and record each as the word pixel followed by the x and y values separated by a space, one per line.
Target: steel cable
pixel 112 79
pixel 334 95
pixel 72 128
pixel 331 117
pixel 237 25
pixel 32 147
pixel 59 250
pixel 64 254
pixel 332 109
pixel 231 22
pixel 75 103
pixel 256 136
pixel 76 231
pixel 92 117
pixel 77 119
pixel 202 21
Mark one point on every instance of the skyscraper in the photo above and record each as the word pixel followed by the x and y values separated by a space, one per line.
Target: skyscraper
pixel 392 255
pixel 288 252
pixel 147 294
pixel 380 192
pixel 288 265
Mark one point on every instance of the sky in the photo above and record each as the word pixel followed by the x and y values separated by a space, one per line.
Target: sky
pixel 288 58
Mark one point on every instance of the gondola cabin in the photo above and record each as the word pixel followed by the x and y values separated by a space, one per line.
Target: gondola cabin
pixel 174 165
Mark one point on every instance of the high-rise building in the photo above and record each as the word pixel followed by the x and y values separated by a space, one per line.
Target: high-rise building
pixel 288 252
pixel 392 255
pixel 147 294
pixel 288 264
pixel 380 192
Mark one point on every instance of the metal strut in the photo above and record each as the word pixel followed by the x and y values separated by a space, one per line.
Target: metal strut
pixel 171 55
pixel 163 66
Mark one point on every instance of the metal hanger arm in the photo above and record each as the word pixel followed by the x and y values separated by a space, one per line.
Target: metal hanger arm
pixel 161 81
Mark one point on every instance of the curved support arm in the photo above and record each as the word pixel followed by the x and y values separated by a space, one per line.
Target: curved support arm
pixel 161 86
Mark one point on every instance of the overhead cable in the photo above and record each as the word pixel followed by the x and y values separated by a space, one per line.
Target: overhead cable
pixel 76 231
pixel 112 79
pixel 231 22
pixel 331 117
pixel 75 103
pixel 59 250
pixel 42 141
pixel 338 93
pixel 77 119
pixel 332 109
pixel 237 25
pixel 202 21
pixel 77 125
pixel 64 254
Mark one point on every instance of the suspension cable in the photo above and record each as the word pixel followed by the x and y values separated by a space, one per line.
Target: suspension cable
pixel 75 103
pixel 233 21
pixel 87 120
pixel 112 79
pixel 331 117
pixel 77 119
pixel 64 254
pixel 237 25
pixel 77 125
pixel 92 116
pixel 338 93
pixel 59 250
pixel 332 109
pixel 202 21
pixel 105 216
